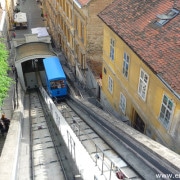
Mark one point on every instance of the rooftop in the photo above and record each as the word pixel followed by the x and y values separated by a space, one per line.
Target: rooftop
pixel 134 22
pixel 82 2
pixel 1 20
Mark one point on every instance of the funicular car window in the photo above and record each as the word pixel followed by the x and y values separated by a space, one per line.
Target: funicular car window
pixel 57 84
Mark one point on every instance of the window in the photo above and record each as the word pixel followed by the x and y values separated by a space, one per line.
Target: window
pixel 166 111
pixel 82 60
pixel 164 18
pixel 125 64
pixel 122 103
pixel 82 32
pixel 105 71
pixel 143 84
pixel 110 84
pixel 76 49
pixel 75 23
pixel 112 49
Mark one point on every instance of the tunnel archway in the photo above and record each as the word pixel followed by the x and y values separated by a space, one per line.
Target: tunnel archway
pixel 29 55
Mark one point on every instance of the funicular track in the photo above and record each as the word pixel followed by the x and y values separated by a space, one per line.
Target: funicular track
pixel 117 153
pixel 44 158
pixel 48 153
pixel 112 152
pixel 108 161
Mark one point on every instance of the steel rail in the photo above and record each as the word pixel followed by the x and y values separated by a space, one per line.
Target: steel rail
pixel 150 159
pixel 48 118
pixel 31 152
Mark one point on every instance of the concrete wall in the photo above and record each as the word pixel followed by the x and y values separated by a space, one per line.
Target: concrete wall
pixel 82 158
pixel 10 153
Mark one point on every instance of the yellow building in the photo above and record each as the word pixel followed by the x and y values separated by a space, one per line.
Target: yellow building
pixel 6 20
pixel 9 7
pixel 78 32
pixel 141 67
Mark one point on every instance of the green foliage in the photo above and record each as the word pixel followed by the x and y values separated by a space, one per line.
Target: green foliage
pixel 5 81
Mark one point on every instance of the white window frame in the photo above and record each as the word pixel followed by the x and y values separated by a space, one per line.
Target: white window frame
pixel 112 50
pixel 122 103
pixel 110 84
pixel 143 84
pixel 166 111
pixel 126 61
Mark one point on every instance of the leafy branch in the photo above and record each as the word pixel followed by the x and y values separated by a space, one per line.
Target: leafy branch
pixel 5 80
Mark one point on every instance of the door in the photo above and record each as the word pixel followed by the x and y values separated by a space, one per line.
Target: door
pixel 138 123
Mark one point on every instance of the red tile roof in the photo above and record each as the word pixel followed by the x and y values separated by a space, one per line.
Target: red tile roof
pixel 158 47
pixel 82 2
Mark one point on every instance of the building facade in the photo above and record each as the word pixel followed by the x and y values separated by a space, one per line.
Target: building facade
pixel 78 32
pixel 6 20
pixel 140 78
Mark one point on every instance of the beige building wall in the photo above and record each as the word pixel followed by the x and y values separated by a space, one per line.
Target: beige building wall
pixel 143 113
pixel 77 31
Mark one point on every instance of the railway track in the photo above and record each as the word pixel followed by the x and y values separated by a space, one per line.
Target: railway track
pixel 143 161
pixel 108 161
pixel 44 158
pixel 49 156
pixel 110 149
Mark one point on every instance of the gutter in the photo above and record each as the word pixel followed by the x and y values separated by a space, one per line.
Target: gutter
pixel 175 93
pixel 77 4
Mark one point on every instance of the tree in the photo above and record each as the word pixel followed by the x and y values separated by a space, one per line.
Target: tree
pixel 5 81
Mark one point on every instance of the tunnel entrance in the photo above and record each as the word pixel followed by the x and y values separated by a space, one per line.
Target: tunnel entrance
pixel 30 52
pixel 31 69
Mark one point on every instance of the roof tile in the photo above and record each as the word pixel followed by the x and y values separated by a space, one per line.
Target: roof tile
pixel 83 2
pixel 158 47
